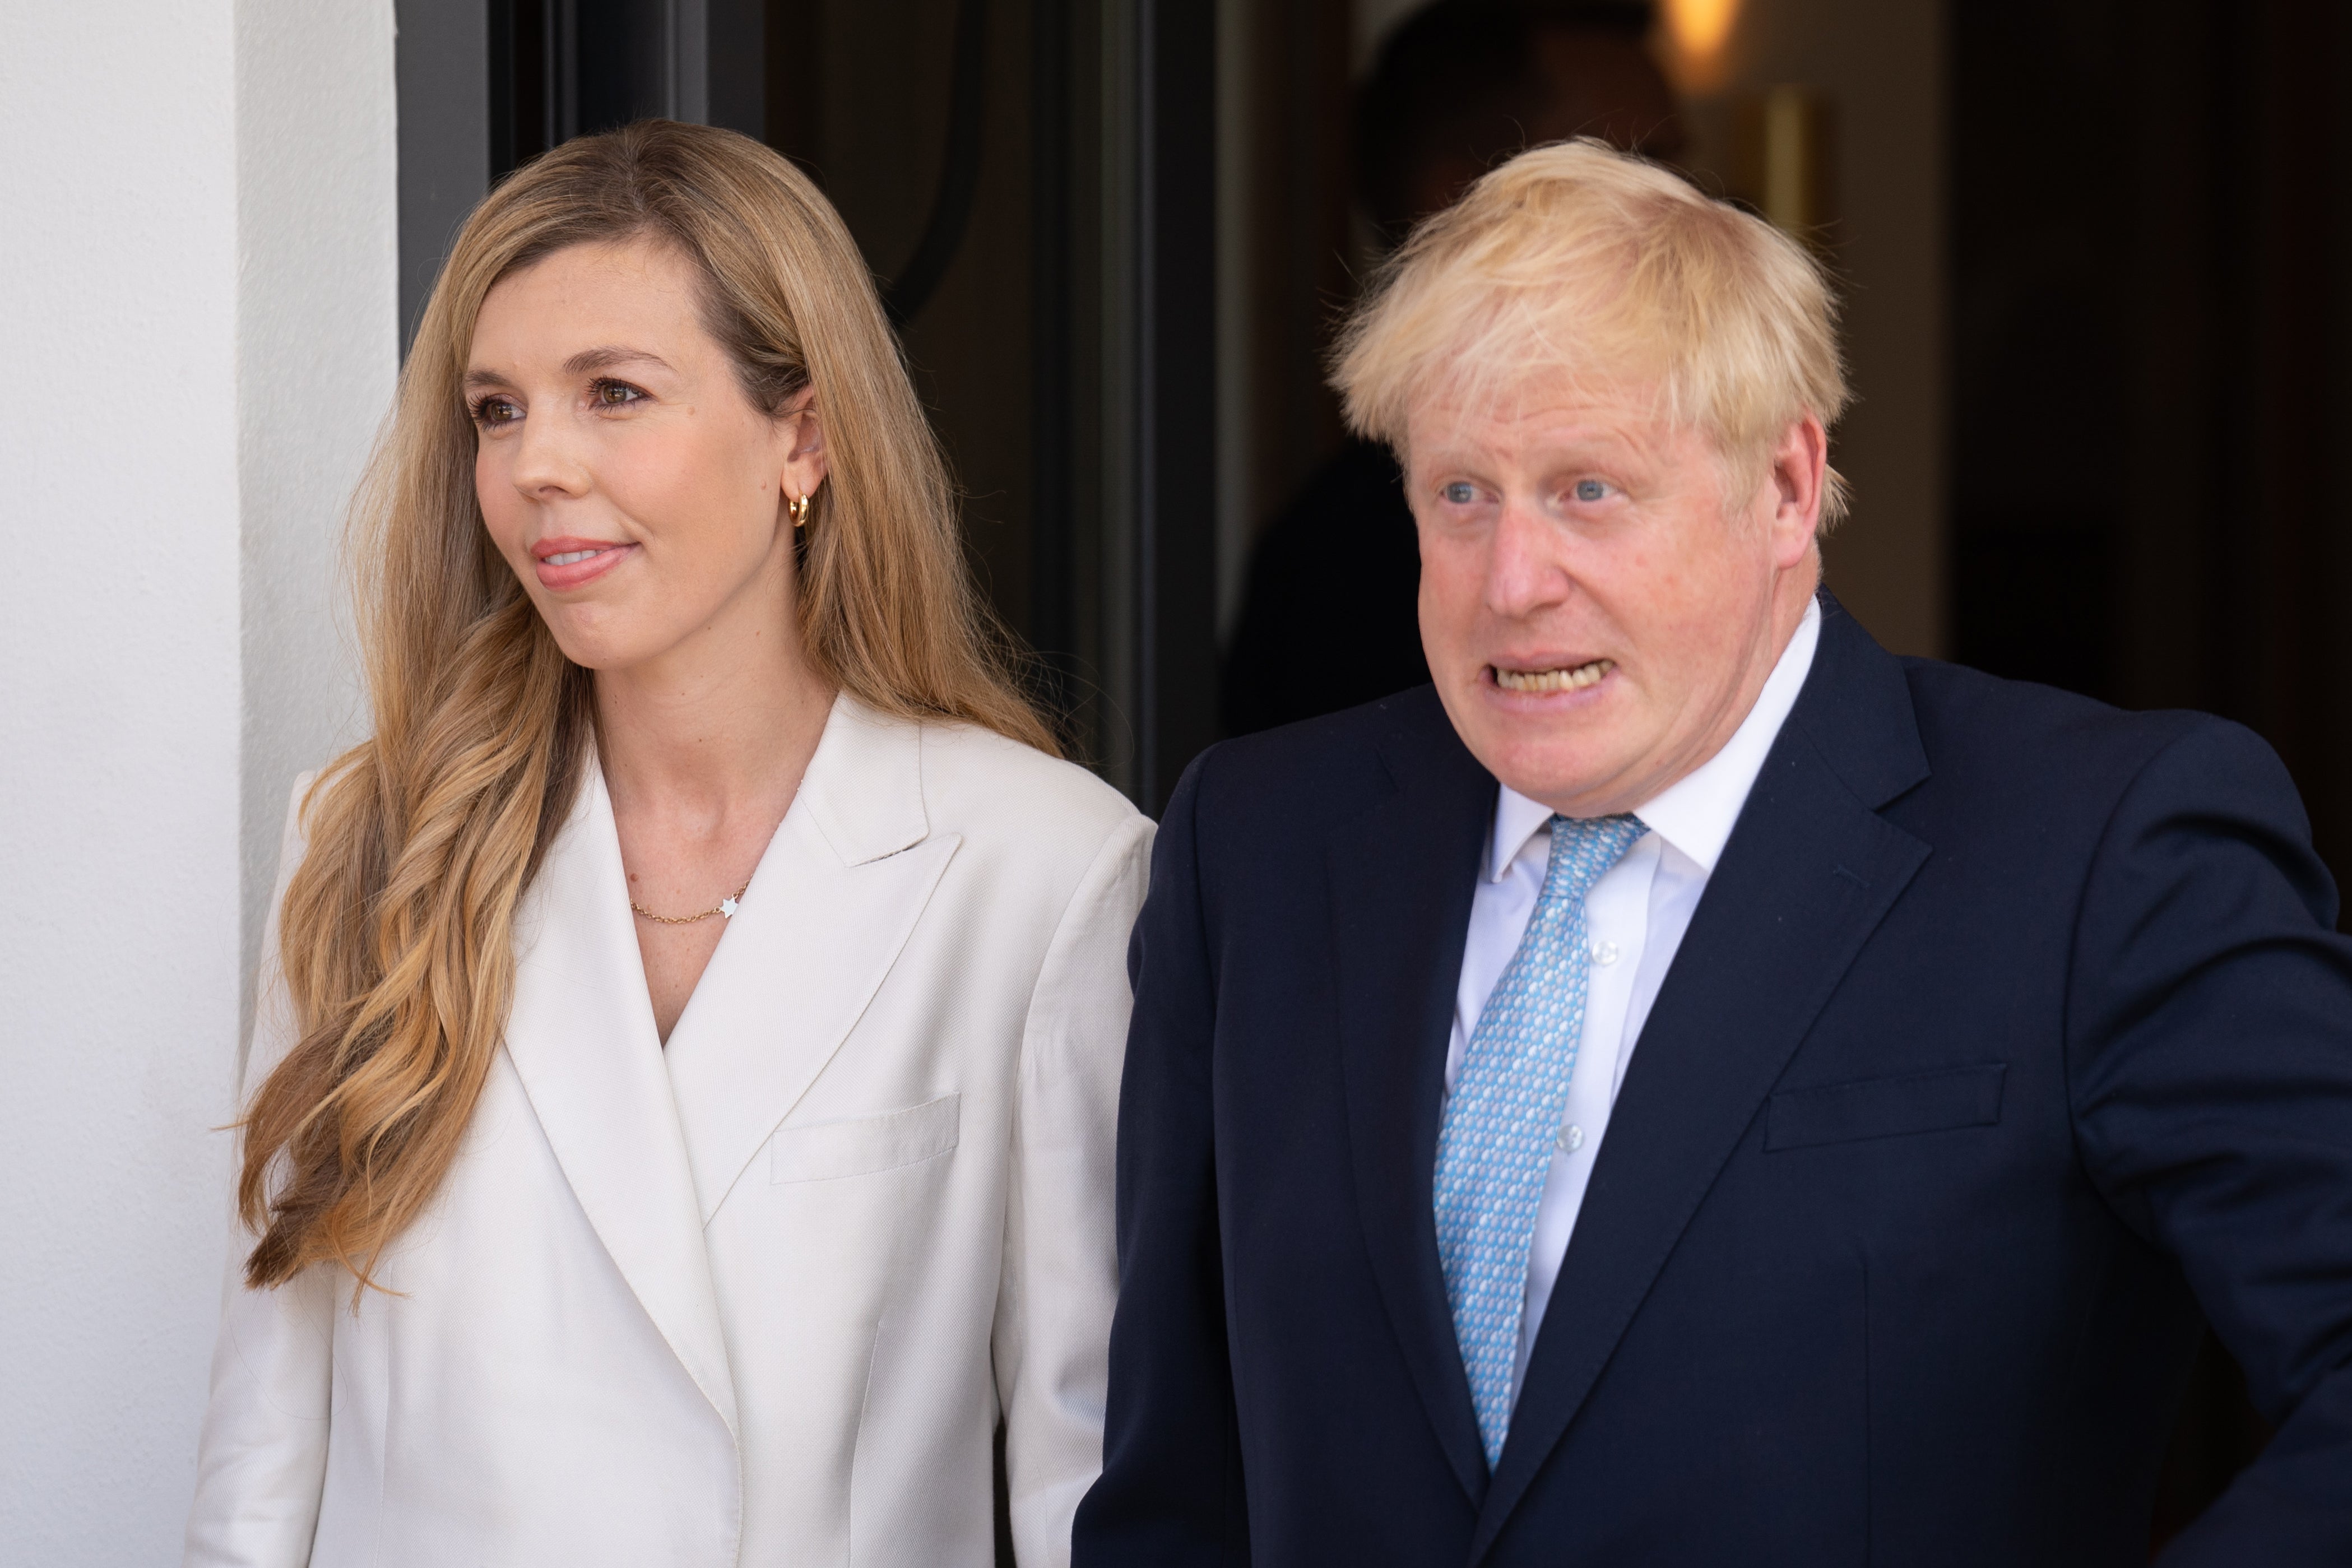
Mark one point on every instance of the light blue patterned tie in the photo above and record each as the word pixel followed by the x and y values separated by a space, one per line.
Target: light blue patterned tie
pixel 1494 1147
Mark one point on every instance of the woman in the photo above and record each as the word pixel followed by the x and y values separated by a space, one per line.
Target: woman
pixel 686 1064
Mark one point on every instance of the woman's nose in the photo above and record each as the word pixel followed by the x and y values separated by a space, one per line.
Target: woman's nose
pixel 546 461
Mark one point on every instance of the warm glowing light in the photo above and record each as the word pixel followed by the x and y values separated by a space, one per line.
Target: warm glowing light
pixel 1699 26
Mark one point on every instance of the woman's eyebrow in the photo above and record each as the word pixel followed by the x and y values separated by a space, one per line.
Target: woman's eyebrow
pixel 588 359
pixel 586 362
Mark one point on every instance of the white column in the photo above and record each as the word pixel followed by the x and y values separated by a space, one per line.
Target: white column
pixel 318 350
pixel 196 294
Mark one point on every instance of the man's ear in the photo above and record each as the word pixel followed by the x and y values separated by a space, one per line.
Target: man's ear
pixel 1799 464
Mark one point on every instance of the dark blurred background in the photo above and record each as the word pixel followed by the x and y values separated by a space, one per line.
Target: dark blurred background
pixel 2096 258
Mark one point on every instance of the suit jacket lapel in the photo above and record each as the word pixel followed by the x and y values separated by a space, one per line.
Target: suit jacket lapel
pixel 582 1037
pixel 1401 880
pixel 1809 873
pixel 835 897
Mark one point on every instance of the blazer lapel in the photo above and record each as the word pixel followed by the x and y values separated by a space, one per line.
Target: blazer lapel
pixel 1402 880
pixel 582 1037
pixel 1809 873
pixel 834 900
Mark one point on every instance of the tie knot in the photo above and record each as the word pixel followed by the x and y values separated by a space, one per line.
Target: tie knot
pixel 1583 849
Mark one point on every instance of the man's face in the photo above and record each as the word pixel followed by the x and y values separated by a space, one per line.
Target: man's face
pixel 1600 603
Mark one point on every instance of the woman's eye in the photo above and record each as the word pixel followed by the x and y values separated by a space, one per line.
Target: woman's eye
pixel 1590 490
pixel 495 411
pixel 1459 493
pixel 615 393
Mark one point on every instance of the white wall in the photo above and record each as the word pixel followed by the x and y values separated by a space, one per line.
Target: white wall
pixel 197 296
pixel 318 351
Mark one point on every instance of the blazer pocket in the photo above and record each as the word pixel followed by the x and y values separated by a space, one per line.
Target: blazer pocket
pixel 825 1150
pixel 1885 1107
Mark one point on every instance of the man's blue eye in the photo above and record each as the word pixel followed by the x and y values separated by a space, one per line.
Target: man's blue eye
pixel 1459 493
pixel 1591 490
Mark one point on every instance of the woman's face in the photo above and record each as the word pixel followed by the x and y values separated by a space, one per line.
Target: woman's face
pixel 637 492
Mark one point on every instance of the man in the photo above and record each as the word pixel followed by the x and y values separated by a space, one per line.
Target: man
pixel 1459 87
pixel 1691 1088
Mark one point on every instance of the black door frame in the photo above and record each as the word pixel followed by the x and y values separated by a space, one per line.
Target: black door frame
pixel 485 84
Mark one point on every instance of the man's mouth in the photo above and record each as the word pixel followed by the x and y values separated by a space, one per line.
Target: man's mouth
pixel 1573 678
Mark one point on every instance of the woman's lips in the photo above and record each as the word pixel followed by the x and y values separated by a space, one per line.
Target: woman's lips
pixel 571 562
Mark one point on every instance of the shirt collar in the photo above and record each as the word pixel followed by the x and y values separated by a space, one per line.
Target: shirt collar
pixel 1696 813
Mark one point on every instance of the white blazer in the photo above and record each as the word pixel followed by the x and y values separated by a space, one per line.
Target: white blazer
pixel 759 1298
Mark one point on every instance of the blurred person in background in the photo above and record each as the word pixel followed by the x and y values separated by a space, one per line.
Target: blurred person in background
pixel 1327 620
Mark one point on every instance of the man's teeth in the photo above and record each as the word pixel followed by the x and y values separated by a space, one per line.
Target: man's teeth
pixel 570 556
pixel 1576 680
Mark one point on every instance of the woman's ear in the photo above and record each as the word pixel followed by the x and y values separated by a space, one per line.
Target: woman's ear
pixel 804 461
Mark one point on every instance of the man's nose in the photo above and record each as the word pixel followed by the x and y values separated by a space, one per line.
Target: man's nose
pixel 1524 570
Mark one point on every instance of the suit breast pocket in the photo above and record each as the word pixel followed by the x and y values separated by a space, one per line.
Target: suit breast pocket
pixel 1885 1107
pixel 828 1151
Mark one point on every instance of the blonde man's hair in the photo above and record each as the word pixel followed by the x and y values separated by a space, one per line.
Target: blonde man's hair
pixel 1581 261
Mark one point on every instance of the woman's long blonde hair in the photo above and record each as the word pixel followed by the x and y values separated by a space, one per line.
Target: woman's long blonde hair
pixel 397 933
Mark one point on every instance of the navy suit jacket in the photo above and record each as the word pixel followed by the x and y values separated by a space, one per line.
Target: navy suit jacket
pixel 2011 1030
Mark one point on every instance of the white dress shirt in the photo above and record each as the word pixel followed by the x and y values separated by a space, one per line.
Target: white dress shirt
pixel 1634 917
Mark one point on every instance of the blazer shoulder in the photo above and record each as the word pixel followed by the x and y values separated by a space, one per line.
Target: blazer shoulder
pixel 987 786
pixel 2012 750
pixel 2034 730
pixel 1328 769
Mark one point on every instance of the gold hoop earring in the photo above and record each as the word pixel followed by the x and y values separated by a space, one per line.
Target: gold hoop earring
pixel 800 509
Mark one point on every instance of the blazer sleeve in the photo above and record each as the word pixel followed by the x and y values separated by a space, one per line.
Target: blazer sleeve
pixel 2209 1040
pixel 262 1459
pixel 1171 1492
pixel 1060 1276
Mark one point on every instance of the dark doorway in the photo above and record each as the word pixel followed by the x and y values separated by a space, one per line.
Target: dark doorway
pixel 560 68
pixel 2151 226
pixel 1034 183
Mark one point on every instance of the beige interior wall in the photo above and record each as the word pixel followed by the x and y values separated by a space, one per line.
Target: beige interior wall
pixel 1880 64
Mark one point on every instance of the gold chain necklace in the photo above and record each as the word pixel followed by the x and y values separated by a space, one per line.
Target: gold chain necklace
pixel 727 906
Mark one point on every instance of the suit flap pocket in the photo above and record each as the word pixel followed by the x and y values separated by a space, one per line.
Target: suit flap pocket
pixel 825 1150
pixel 1885 1107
